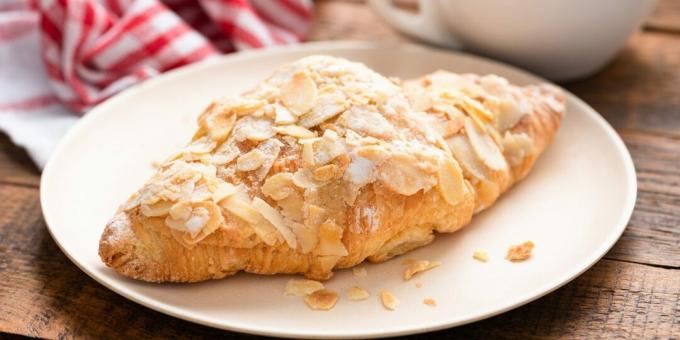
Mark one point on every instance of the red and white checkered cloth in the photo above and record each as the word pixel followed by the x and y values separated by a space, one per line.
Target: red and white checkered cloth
pixel 58 58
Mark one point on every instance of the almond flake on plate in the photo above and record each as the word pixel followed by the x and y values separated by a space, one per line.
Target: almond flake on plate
pixel 357 293
pixel 419 285
pixel 323 299
pixel 430 302
pixel 296 287
pixel 419 266
pixel 388 300
pixel 480 255
pixel 520 252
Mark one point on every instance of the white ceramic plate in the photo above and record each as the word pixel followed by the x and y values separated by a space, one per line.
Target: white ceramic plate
pixel 573 206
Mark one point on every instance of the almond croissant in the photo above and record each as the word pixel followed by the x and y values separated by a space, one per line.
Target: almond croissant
pixel 326 164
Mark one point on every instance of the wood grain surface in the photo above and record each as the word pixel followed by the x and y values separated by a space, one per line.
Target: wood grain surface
pixel 634 292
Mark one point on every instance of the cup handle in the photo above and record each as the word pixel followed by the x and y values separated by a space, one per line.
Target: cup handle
pixel 427 24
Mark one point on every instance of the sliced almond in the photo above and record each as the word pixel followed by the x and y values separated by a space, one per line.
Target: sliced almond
pixel 198 219
pixel 307 235
pixel 418 267
pixel 451 182
pixel 160 208
pixel 274 217
pixel 278 186
pixel 253 129
pixel 294 131
pixel 330 240
pixel 225 153
pixel 314 215
pixel 223 191
pixel 202 145
pixel 250 160
pixel 476 108
pixel 283 116
pixel 244 210
pixel 323 299
pixel 510 112
pixel 359 171
pixel 326 172
pixel 480 255
pixel 466 157
pixel 241 208
pixel 374 153
pixel 302 287
pixel 271 149
pixel 292 206
pixel 430 302
pixel 367 121
pixel 299 94
pixel 357 293
pixel 326 107
pixel 308 155
pixel 203 220
pixel 180 211
pixel 304 178
pixel 240 105
pixel 485 148
pixel 328 147
pixel 401 174
pixel 218 125
pixel 520 252
pixel 388 300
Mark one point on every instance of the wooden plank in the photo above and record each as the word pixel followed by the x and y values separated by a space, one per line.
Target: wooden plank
pixel 611 300
pixel 15 165
pixel 640 89
pixel 666 17
pixel 653 233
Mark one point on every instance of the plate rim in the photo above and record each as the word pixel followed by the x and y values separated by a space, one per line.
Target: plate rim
pixel 154 304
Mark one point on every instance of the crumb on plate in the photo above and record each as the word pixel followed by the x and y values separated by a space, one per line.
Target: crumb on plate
pixel 430 302
pixel 419 266
pixel 323 299
pixel 388 300
pixel 357 293
pixel 480 255
pixel 520 252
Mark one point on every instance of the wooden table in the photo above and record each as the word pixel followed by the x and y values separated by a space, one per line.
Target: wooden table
pixel 634 292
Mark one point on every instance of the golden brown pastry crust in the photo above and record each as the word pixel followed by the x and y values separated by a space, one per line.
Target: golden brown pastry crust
pixel 250 193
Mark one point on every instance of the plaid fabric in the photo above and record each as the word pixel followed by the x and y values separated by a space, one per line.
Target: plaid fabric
pixel 60 57
pixel 92 50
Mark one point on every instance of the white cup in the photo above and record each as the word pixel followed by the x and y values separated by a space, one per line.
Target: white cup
pixel 559 39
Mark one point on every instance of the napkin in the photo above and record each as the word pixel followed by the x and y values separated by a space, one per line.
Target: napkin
pixel 59 58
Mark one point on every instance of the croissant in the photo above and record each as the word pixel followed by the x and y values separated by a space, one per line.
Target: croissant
pixel 326 164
